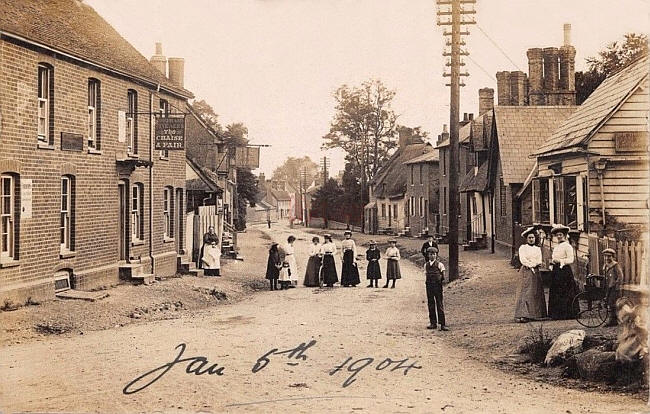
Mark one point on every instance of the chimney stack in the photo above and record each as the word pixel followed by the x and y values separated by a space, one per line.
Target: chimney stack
pixel 536 76
pixel 567 34
pixel 503 88
pixel 159 60
pixel 177 70
pixel 568 69
pixel 404 139
pixel 551 69
pixel 518 88
pixel 485 100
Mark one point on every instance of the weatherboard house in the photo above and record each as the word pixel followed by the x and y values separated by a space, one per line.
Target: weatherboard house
pixel 85 197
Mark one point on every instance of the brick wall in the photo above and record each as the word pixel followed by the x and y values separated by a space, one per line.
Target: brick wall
pixel 427 189
pixel 94 261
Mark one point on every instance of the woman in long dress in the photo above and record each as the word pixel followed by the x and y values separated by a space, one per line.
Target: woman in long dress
pixel 208 238
pixel 328 268
pixel 290 257
pixel 373 271
pixel 563 288
pixel 313 264
pixel 212 260
pixel 349 271
pixel 531 304
pixel 273 266
pixel 392 268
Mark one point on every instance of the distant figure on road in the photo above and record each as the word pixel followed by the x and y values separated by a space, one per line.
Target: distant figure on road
pixel 530 304
pixel 563 288
pixel 349 270
pixel 313 264
pixel 208 238
pixel 434 272
pixel 373 272
pixel 329 266
pixel 212 260
pixel 392 268
pixel 425 246
pixel 268 222
pixel 273 266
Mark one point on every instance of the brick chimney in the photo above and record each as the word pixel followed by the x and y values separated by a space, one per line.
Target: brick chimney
pixel 551 69
pixel 503 88
pixel 485 100
pixel 518 88
pixel 177 70
pixel 536 76
pixel 159 60
pixel 405 135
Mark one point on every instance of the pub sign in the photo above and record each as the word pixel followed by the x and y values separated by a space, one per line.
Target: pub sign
pixel 170 133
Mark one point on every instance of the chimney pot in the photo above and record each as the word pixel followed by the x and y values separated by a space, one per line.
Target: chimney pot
pixel 159 60
pixel 177 70
pixel 159 48
pixel 567 34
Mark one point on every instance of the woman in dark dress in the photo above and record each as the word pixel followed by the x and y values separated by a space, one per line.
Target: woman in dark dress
pixel 563 288
pixel 208 238
pixel 313 264
pixel 373 272
pixel 328 268
pixel 349 271
pixel 273 266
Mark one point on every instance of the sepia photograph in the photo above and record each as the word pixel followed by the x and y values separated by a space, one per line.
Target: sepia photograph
pixel 324 206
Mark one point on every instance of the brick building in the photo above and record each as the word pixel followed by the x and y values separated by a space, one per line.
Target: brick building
pixel 85 197
pixel 422 193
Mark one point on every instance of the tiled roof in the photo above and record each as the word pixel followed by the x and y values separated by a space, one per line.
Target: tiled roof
pixel 207 181
pixel 521 130
pixel 280 195
pixel 390 181
pixel 463 135
pixel 601 104
pixel 431 156
pixel 74 28
pixel 476 182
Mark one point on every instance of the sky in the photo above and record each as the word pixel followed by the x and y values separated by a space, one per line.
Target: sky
pixel 274 64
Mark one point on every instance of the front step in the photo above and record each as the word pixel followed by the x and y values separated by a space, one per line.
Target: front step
pixel 144 279
pixel 133 272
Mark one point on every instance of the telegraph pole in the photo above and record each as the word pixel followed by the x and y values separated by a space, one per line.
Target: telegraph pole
pixel 452 13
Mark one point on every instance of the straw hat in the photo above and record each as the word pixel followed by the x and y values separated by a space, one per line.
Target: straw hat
pixel 560 228
pixel 528 231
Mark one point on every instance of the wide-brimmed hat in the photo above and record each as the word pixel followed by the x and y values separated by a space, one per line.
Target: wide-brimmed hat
pixel 392 241
pixel 560 228
pixel 327 235
pixel 347 232
pixel 609 251
pixel 372 242
pixel 529 230
pixel 432 250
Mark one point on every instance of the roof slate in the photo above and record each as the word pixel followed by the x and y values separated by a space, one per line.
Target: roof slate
pixel 394 173
pixel 578 129
pixel 476 182
pixel 73 27
pixel 521 130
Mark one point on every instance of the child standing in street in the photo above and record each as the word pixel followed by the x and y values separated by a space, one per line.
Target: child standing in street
pixel 392 268
pixel 373 271
pixel 435 274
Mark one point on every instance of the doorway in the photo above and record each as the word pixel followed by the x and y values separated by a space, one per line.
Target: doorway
pixel 123 239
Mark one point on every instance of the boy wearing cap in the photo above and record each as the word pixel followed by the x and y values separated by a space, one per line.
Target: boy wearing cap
pixel 613 276
pixel 434 271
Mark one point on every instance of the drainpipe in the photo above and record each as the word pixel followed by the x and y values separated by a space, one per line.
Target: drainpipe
pixel 151 152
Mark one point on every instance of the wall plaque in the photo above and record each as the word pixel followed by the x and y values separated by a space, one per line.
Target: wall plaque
pixel 631 141
pixel 72 142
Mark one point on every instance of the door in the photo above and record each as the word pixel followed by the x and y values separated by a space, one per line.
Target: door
pixel 178 231
pixel 123 239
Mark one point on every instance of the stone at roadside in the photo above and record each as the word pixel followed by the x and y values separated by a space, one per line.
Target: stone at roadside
pixel 595 365
pixel 567 344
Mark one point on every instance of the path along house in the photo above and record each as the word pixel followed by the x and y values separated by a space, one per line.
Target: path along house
pixel 85 197
pixel 592 173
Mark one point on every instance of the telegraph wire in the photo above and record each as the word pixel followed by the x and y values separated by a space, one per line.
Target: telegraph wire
pixel 498 47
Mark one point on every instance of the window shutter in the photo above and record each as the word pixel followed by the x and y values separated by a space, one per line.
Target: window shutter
pixel 537 207
pixel 558 184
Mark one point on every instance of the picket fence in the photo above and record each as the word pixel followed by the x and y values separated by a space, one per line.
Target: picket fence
pixel 629 254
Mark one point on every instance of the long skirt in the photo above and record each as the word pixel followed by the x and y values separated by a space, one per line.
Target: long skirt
pixel 531 303
pixel 373 271
pixel 293 267
pixel 311 274
pixel 392 270
pixel 561 293
pixel 349 272
pixel 329 270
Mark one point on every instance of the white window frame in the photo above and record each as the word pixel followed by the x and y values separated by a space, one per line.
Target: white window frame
pixel 43 103
pixel 136 233
pixel 131 99
pixel 167 212
pixel 7 216
pixel 93 87
pixel 412 205
pixel 65 226
pixel 421 206
pixel 164 111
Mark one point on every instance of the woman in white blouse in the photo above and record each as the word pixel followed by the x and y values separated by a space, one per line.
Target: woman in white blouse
pixel 563 288
pixel 313 264
pixel 328 268
pixel 392 268
pixel 530 304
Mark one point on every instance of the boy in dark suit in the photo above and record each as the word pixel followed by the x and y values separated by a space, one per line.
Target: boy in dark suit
pixel 429 243
pixel 435 274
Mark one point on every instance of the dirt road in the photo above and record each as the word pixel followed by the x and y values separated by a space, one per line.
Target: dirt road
pixel 376 328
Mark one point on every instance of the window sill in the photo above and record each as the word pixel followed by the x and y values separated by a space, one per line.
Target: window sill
pixel 44 145
pixel 132 155
pixel 9 263
pixel 168 239
pixel 137 242
pixel 67 254
pixel 163 158
pixel 94 151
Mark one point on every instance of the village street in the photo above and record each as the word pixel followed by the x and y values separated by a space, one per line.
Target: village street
pixel 88 373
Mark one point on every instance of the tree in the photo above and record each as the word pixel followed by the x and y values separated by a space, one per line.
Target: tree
pixel 326 199
pixel 246 194
pixel 235 135
pixel 207 114
pixel 612 59
pixel 292 168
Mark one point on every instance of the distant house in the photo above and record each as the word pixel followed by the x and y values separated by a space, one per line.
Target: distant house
pixel 422 193
pixel 592 173
pixel 279 195
pixel 387 207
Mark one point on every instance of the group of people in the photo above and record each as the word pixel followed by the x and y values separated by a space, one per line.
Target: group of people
pixel 281 265
pixel 531 303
